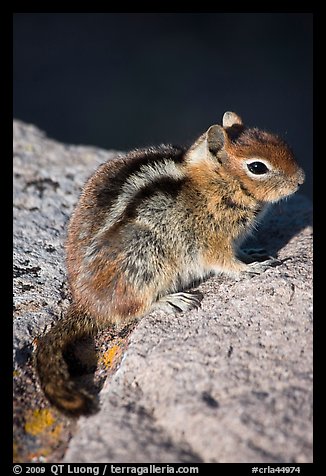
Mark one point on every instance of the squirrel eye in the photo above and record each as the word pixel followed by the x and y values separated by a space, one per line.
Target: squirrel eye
pixel 257 168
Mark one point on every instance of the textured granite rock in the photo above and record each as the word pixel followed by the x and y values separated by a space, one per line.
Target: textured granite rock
pixel 48 177
pixel 231 382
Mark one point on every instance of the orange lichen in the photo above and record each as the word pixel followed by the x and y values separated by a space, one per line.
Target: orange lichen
pixel 55 432
pixel 39 421
pixel 108 357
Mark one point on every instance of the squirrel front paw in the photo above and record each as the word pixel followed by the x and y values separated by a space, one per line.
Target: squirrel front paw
pixel 259 267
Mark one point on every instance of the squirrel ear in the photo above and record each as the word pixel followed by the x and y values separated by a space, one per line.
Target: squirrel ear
pixel 216 138
pixel 231 119
pixel 211 142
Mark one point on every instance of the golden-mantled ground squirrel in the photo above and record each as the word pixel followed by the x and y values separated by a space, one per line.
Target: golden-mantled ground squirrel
pixel 150 223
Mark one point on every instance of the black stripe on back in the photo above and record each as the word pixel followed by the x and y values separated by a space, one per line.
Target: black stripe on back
pixel 167 185
pixel 110 190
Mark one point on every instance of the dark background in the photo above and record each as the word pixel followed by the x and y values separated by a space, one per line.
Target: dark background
pixel 124 80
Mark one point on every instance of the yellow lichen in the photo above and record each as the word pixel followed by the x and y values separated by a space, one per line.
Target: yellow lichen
pixel 56 431
pixel 15 373
pixel 109 356
pixel 38 421
pixel 29 147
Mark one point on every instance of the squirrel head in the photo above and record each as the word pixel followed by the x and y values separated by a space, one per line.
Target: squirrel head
pixel 262 162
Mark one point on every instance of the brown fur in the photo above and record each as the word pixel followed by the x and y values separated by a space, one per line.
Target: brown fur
pixel 149 224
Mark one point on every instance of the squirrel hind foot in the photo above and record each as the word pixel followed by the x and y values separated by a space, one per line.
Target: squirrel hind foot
pixel 180 302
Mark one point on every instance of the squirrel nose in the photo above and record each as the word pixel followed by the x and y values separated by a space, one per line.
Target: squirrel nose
pixel 301 177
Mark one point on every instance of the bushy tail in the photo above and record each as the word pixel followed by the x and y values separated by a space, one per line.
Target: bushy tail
pixel 52 368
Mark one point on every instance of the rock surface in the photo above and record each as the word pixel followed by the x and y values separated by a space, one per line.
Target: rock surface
pixel 48 177
pixel 231 382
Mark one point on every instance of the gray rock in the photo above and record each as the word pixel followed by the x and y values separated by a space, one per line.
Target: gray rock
pixel 48 177
pixel 231 382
